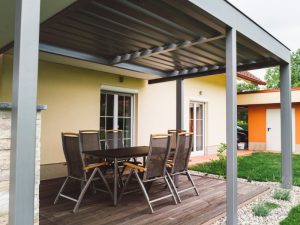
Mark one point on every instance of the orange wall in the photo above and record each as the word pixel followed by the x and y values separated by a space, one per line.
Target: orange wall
pixel 257 122
pixel 297 121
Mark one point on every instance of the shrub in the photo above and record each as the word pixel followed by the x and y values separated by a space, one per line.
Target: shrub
pixel 282 195
pixel 221 152
pixel 264 209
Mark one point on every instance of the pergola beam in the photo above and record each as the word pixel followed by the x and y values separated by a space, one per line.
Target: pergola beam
pixel 208 71
pixel 163 49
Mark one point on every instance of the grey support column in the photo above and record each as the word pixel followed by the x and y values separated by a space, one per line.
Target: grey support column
pixel 286 126
pixel 231 127
pixel 25 69
pixel 179 104
pixel 179 113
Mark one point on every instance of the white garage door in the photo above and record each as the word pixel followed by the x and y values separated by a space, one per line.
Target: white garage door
pixel 274 131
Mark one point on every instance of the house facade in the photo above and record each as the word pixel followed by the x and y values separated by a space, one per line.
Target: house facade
pixel 264 119
pixel 84 97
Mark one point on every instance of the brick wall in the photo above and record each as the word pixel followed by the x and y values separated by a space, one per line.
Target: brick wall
pixel 5 139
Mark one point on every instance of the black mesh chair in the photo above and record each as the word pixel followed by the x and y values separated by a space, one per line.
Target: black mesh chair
pixel 78 170
pixel 114 139
pixel 174 141
pixel 179 164
pixel 155 168
pixel 90 141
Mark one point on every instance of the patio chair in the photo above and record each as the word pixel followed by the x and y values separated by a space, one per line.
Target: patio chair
pixel 179 164
pixel 78 170
pixel 174 141
pixel 114 139
pixel 154 170
pixel 90 141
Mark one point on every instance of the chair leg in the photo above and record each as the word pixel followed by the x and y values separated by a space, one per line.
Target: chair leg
pixel 192 181
pixel 144 190
pixel 174 187
pixel 84 190
pixel 125 185
pixel 105 182
pixel 171 190
pixel 61 189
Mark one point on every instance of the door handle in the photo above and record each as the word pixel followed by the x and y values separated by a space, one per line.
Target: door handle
pixel 269 129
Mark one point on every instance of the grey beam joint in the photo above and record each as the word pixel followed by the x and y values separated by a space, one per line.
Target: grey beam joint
pixel 286 126
pixel 231 126
pixel 23 143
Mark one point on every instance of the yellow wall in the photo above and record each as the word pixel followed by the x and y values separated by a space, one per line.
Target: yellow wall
pixel 73 98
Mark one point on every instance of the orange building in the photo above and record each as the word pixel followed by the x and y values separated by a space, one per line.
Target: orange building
pixel 264 119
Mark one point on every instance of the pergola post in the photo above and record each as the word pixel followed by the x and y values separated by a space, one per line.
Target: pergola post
pixel 286 126
pixel 23 143
pixel 231 126
pixel 179 104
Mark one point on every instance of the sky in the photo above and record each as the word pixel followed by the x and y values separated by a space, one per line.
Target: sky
pixel 279 17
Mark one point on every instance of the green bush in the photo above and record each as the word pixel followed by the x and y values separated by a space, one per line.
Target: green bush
pixel 264 209
pixel 243 124
pixel 221 152
pixel 282 195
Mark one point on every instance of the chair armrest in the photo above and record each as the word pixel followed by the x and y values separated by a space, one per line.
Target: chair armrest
pixel 94 165
pixel 133 166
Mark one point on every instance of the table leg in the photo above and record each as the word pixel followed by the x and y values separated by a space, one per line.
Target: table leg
pixel 144 161
pixel 115 181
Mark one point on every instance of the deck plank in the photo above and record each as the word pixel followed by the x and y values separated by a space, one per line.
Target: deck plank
pixel 98 209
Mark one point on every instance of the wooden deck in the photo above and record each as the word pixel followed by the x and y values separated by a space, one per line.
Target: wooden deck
pixel 98 209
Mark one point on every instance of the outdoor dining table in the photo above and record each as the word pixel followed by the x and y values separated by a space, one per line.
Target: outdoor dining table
pixel 116 155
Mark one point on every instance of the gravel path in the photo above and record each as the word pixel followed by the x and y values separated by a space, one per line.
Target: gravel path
pixel 245 214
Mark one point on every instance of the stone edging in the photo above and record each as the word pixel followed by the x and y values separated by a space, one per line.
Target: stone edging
pixel 245 215
pixel 8 106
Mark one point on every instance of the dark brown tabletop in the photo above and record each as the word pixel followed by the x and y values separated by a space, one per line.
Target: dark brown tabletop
pixel 120 153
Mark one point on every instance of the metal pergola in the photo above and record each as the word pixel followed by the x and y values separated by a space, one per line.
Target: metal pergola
pixel 173 40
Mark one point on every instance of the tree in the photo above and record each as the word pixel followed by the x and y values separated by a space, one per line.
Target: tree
pixel 244 86
pixel 272 74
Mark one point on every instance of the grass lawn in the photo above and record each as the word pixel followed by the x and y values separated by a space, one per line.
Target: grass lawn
pixel 293 217
pixel 260 166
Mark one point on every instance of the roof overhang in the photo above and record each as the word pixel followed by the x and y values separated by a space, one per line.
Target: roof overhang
pixel 169 39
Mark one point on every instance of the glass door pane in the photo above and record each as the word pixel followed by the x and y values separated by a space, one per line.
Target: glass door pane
pixel 106 115
pixel 124 117
pixel 196 112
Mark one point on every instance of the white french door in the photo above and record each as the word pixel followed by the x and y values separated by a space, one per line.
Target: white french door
pixel 196 122
pixel 116 112
pixel 274 129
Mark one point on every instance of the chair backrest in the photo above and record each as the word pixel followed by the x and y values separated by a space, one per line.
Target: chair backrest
pixel 182 152
pixel 75 163
pixel 175 134
pixel 89 140
pixel 159 151
pixel 114 139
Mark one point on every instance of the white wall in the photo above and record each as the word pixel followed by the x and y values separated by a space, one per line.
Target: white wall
pixel 157 108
